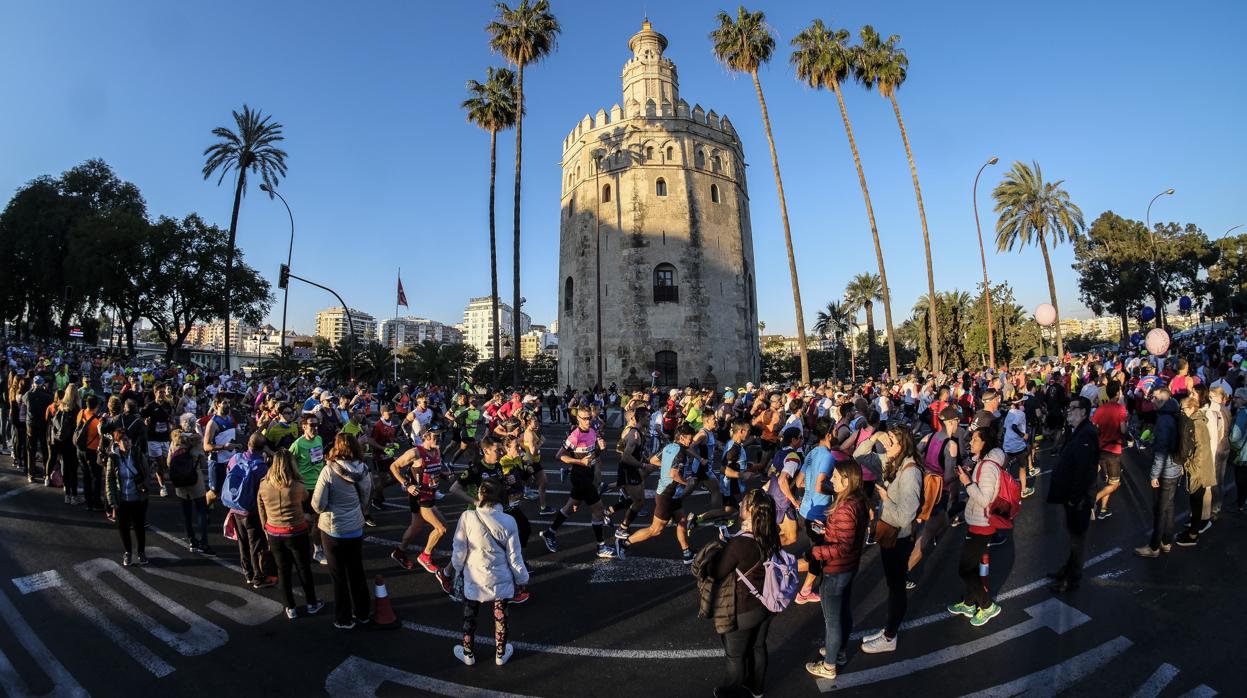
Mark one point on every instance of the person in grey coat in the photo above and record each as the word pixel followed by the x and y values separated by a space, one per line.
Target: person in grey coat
pixel 342 491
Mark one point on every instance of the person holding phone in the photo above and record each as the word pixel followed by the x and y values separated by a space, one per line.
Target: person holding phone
pixel 982 482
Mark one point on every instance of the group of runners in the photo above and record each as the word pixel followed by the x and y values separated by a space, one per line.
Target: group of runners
pixel 833 458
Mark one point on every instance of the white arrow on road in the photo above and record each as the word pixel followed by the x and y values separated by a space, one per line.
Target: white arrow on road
pixel 1047 614
pixel 360 678
pixel 255 609
pixel 1156 683
pixel 11 683
pixel 1059 677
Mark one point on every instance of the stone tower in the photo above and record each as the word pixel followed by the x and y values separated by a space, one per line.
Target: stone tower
pixel 656 265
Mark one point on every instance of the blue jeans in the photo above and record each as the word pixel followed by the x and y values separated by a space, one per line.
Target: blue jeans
pixel 835 595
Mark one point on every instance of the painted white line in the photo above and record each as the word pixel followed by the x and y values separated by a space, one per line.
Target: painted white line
pixel 1046 614
pixel 1112 574
pixel 256 609
pixel 224 563
pixel 1156 683
pixel 360 678
pixel 1057 678
pixel 1200 691
pixel 37 581
pixel 18 490
pixel 200 637
pixel 63 683
pixel 118 637
pixel 574 651
pixel 1003 596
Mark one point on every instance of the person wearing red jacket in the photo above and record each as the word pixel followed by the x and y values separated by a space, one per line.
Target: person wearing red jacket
pixel 839 555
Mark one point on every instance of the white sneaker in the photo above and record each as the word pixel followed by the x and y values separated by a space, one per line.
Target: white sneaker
pixel 464 657
pixel 873 636
pixel 506 655
pixel 879 644
pixel 319 556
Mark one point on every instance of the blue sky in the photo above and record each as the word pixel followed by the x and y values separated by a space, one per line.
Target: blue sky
pixel 1120 99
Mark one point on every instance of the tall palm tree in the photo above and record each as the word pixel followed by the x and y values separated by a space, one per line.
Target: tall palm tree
pixel 835 320
pixel 861 293
pixel 491 106
pixel 743 44
pixel 252 149
pixel 522 35
pixel 883 64
pixel 1030 211
pixel 823 59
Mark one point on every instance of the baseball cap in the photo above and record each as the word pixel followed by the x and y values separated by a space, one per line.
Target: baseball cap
pixel 950 413
pixel 729 395
pixel 38 380
pixel 749 386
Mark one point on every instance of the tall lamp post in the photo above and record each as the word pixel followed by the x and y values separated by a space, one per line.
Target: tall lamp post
pixel 987 289
pixel 599 157
pixel 1160 309
pixel 286 292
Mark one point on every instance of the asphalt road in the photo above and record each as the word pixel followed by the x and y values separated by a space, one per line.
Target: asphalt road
pixel 78 623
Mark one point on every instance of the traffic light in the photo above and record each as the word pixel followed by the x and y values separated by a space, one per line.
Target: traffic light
pixel 283 278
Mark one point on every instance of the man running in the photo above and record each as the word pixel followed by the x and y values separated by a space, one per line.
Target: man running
pixel 419 472
pixel 581 451
pixel 632 469
pixel 668 498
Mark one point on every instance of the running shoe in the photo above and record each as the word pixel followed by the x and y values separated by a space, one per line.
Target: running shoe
pixel 264 582
pixel 910 584
pixel 606 552
pixel 369 521
pixel 955 521
pixel 1186 540
pixel 140 559
pixel 962 608
pixel 870 540
pixel 621 533
pixel 1147 551
pixel 464 656
pixel 1166 547
pixel 126 560
pixel 292 613
pixel 521 595
pixel 879 645
pixel 687 556
pixel 985 614
pixel 997 539
pixel 642 513
pixel 530 494
pixel 349 625
pixel 399 556
pixel 821 670
pixel 314 608
pixel 206 550
pixel 1028 492
pixel 803 597
pixel 1103 514
pixel 503 658
pixel 690 523
pixel 194 546
pixel 445 582
pixel 425 560
pixel 545 511
pixel 374 505
pixel 1207 525
pixel 550 539
pixel 319 556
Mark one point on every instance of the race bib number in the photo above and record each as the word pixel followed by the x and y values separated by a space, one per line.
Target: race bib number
pixel 317 454
pixel 162 427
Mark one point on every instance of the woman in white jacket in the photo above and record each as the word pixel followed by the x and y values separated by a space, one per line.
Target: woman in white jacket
pixel 981 483
pixel 487 553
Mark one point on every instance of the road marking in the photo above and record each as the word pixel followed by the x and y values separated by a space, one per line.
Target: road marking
pixel 360 678
pixel 1112 574
pixel 1156 683
pixel 18 490
pixel 1003 596
pixel 37 581
pixel 574 651
pixel 224 563
pixel 256 609
pixel 200 637
pixel 63 683
pixel 1046 614
pixel 137 651
pixel 1057 678
pixel 1200 691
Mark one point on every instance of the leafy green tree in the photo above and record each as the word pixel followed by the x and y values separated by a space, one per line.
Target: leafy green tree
pixel 861 293
pixel 522 35
pixel 744 44
pixel 491 106
pixel 835 320
pixel 339 360
pixel 1227 278
pixel 1114 268
pixel 823 59
pixel 1031 210
pixel 883 64
pixel 437 364
pixel 1182 253
pixel 253 148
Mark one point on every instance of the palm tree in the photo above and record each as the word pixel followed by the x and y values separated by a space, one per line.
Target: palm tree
pixel 861 293
pixel 823 59
pixel 744 44
pixel 253 148
pixel 522 35
pixel 1031 210
pixel 337 360
pixel 491 106
pixel 884 65
pixel 835 320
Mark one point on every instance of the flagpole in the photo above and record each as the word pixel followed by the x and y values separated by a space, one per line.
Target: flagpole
pixel 394 333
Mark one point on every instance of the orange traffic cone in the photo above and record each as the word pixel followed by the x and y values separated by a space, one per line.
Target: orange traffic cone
pixel 384 616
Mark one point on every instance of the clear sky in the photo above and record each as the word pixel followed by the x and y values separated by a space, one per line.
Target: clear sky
pixel 1121 99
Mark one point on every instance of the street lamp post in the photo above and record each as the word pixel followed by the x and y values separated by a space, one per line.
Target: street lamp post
pixel 285 292
pixel 987 289
pixel 1160 310
pixel 599 157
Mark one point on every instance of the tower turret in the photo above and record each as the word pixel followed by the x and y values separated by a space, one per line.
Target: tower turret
pixel 648 75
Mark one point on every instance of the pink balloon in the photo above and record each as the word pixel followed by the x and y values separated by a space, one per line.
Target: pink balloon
pixel 1157 342
pixel 1045 314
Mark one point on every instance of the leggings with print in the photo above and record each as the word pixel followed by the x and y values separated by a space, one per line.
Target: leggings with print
pixel 470 609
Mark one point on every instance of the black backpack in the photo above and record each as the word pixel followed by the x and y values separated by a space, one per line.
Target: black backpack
pixel 62 427
pixel 182 470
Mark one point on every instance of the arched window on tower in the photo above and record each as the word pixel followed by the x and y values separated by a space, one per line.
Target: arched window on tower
pixel 714 193
pixel 660 187
pixel 567 295
pixel 606 193
pixel 667 364
pixel 716 164
pixel 670 153
pixel 649 153
pixel 666 289
pixel 700 160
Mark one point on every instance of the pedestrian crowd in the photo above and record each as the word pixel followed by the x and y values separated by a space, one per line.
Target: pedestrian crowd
pixel 801 479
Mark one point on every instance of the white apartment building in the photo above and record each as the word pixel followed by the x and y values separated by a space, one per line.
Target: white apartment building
pixel 405 332
pixel 331 324
pixel 477 327
pixel 213 336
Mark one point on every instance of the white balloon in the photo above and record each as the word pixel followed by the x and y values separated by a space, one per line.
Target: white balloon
pixel 1157 342
pixel 1045 314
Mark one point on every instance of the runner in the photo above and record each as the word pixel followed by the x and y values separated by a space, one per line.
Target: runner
pixel 582 450
pixel 309 458
pixel 668 496
pixel 531 441
pixel 632 469
pixel 419 471
pixel 1110 420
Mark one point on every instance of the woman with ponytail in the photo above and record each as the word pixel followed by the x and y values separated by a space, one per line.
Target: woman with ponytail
pixel 745 552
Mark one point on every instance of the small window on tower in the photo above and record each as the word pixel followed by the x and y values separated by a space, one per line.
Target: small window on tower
pixel 660 187
pixel 670 153
pixel 649 153
pixel 606 193
pixel 567 295
pixel 700 160
pixel 714 193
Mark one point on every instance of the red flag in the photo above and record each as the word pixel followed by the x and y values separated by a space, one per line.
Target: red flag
pixel 402 297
